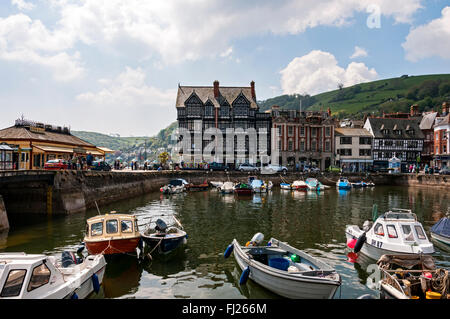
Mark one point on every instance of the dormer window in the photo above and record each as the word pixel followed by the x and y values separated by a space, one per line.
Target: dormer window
pixel 385 131
pixel 397 132
pixel 410 132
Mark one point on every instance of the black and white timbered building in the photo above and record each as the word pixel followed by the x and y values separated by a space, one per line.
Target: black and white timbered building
pixel 401 138
pixel 200 108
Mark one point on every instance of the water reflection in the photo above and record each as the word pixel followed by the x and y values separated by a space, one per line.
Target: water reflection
pixel 310 221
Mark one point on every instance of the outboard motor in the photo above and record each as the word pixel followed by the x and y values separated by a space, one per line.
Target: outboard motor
pixel 161 226
pixel 257 239
pixel 68 259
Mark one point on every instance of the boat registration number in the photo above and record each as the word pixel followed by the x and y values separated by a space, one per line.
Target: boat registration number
pixel 377 243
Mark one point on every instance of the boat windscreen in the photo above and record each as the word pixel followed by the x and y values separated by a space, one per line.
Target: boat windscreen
pixel 176 182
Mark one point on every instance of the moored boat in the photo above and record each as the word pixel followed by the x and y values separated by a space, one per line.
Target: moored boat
pixel 112 234
pixel 163 237
pixel 284 270
pixel 343 183
pixel 197 187
pixel 285 186
pixel 216 184
pixel 299 185
pixel 358 184
pixel 33 276
pixel 227 188
pixel 395 232
pixel 314 184
pixel 440 231
pixel 412 277
pixel 243 189
pixel 257 185
pixel 175 186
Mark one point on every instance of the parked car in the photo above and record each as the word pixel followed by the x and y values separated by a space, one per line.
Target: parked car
pixel 274 169
pixel 246 167
pixel 311 169
pixel 56 164
pixel 214 166
pixel 100 166
pixel 444 171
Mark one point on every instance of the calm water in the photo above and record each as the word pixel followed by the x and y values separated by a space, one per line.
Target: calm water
pixel 309 221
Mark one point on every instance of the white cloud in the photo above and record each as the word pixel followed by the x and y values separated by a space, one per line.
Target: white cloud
pixel 192 29
pixel 318 71
pixel 28 41
pixel 359 53
pixel 432 39
pixel 22 4
pixel 130 103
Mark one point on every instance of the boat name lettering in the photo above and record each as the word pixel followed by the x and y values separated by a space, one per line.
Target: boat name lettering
pixel 376 243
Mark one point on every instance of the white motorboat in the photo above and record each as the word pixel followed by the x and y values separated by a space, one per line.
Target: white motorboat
pixel 286 186
pixel 314 184
pixel 32 276
pixel 227 188
pixel 175 186
pixel 216 184
pixel 395 232
pixel 284 270
pixel 268 186
pixel 299 185
pixel 440 231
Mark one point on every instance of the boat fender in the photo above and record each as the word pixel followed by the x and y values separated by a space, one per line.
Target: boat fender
pixel 74 296
pixel 360 242
pixel 95 283
pixel 141 244
pixel 228 251
pixel 244 276
pixel 79 250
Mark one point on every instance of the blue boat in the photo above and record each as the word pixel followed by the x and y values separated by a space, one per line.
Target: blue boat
pixel 343 183
pixel 441 231
pixel 257 185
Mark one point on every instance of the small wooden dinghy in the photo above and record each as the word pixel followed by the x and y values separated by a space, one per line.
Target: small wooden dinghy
pixel 163 237
pixel 412 277
pixel 243 189
pixel 284 270
pixel 112 234
pixel 28 276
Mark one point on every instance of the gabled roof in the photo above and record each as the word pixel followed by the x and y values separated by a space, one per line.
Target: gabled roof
pixel 443 121
pixel 348 131
pixel 22 133
pixel 428 121
pixel 207 92
pixel 378 124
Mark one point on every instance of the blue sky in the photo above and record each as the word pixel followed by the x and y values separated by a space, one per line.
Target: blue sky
pixel 113 66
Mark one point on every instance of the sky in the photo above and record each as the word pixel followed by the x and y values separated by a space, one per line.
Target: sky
pixel 114 66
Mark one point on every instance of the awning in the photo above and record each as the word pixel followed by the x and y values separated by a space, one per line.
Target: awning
pixel 105 150
pixel 54 149
pixel 95 153
pixel 356 161
pixel 4 147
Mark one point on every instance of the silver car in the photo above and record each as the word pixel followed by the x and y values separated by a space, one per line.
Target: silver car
pixel 246 167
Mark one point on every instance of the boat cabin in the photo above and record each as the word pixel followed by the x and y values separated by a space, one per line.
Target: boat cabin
pixel 399 226
pixel 112 226
pixel 25 276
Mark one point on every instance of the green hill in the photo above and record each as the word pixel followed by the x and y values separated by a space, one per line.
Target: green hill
pixel 130 147
pixel 389 95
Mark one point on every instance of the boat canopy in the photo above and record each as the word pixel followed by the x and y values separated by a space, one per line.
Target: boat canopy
pixel 442 227
pixel 256 183
pixel 407 261
pixel 178 182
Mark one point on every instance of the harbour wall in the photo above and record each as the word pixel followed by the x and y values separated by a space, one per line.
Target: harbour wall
pixel 68 192
pixel 4 223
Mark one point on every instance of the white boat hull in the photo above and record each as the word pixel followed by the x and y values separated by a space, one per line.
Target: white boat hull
pixel 298 287
pixel 441 239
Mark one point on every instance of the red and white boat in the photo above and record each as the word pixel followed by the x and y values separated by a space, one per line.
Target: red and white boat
pixel 112 234
pixel 299 185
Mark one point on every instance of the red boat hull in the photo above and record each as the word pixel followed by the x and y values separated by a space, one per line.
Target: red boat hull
pixel 115 246
pixel 243 191
pixel 301 188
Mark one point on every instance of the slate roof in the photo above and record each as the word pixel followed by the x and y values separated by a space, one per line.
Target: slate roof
pixel 428 121
pixel 207 92
pixel 378 124
pixel 22 133
pixel 346 131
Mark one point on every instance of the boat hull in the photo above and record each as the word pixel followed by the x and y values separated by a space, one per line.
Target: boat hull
pixel 243 191
pixel 165 245
pixel 293 287
pixel 112 246
pixel 441 239
pixel 87 287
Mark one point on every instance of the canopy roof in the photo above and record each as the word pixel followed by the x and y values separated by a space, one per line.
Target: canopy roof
pixel 442 227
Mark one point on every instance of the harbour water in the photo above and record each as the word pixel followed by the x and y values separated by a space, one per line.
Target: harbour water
pixel 314 222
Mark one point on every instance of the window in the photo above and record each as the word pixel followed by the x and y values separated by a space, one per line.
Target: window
pixel 365 141
pixel 314 131
pixel 14 283
pixel 346 140
pixel 290 130
pixel 136 225
pixel 327 146
pixel 327 131
pixel 112 226
pixel 407 233
pixel 290 145
pixel 302 131
pixel 127 226
pixel 302 145
pixel 97 229
pixel 420 233
pixel 279 130
pixel 345 152
pixel 397 132
pixel 378 230
pixel 313 145
pixel 365 152
pixel 392 232
pixel 39 277
pixel 385 131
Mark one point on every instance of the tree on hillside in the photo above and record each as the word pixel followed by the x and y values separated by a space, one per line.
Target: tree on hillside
pixel 163 158
pixel 340 86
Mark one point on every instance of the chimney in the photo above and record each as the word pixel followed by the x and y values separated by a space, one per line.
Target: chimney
pixel 414 110
pixel 216 89
pixel 329 111
pixel 252 84
pixel 445 108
